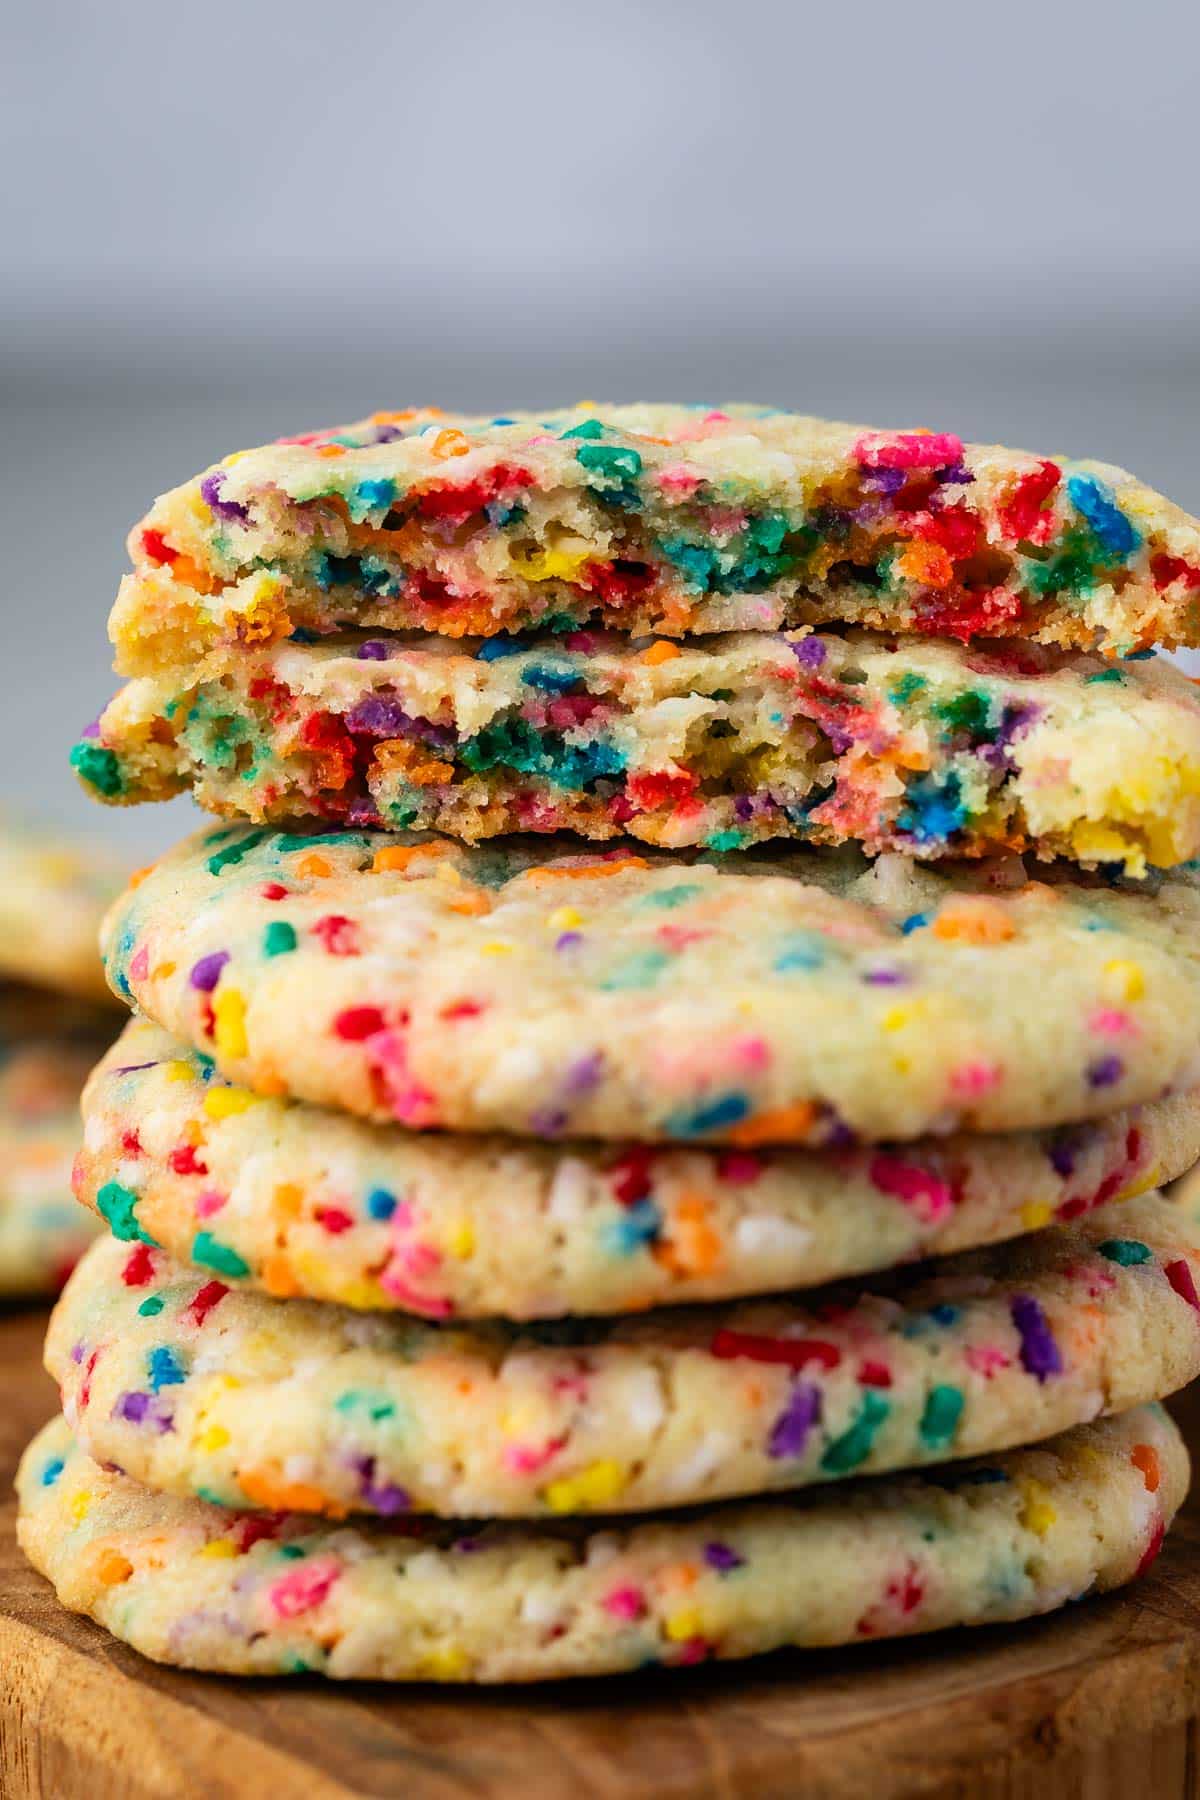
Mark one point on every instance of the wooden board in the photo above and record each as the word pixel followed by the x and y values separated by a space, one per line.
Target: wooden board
pixel 1095 1704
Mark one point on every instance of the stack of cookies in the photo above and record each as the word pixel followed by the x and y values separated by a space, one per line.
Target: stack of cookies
pixel 56 1016
pixel 683 870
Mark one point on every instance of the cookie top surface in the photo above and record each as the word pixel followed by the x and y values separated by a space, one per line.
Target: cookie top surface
pixel 753 998
pixel 298 1200
pixel 903 744
pixel 194 1388
pixel 52 898
pixel 200 1587
pixel 677 519
pixel 42 1231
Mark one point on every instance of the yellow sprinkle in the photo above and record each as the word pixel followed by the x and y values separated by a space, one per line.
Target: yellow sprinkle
pixel 683 1625
pixel 220 1547
pixel 179 1071
pixel 1036 1214
pixel 229 1016
pixel 81 1503
pixel 496 949
pixel 460 1240
pixel 896 1018
pixel 161 971
pixel 1141 1184
pixel 564 918
pixel 1127 979
pixel 215 1438
pixel 1037 1514
pixel 592 1488
pixel 225 1102
pixel 446 1663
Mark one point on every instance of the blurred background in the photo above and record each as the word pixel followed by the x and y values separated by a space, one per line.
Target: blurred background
pixel 220 225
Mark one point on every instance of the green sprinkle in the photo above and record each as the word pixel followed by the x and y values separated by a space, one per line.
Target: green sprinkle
pixel 210 1253
pixel 1106 676
pixel 151 1307
pixel 969 711
pixel 279 938
pixel 725 840
pixel 590 428
pixel 854 1446
pixel 1125 1251
pixel 234 853
pixel 640 971
pixel 117 1204
pixel 99 768
pixel 615 462
pixel 358 1400
pixel 939 1421
pixel 671 897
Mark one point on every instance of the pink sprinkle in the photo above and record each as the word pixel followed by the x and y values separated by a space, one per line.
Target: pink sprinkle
pixel 986 1359
pixel 139 964
pixel 626 1603
pixel 209 1202
pixel 971 1079
pixel 739 1167
pixel 1110 1021
pixel 693 1651
pixel 303 1587
pixel 751 1052
pixel 524 1459
pixel 429 1306
pixel 420 1259
pixel 908 450
pixel 680 479
pixel 929 1196
pixel 726 521
pixel 411 1103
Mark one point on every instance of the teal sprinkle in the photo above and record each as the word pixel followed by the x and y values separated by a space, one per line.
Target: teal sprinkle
pixel 1106 676
pixel 615 462
pixel 801 953
pixel 725 840
pixel 906 688
pixel 116 1204
pixel 291 1552
pixel 151 1306
pixel 370 497
pixel 52 1471
pixel 700 565
pixel 164 1369
pixel 99 768
pixel 233 854
pixel 640 971
pixel 637 1226
pixel 279 938
pixel 209 1253
pixel 302 840
pixel 670 898
pixel 1098 504
pixel 939 1420
pixel 550 680
pixel 358 1400
pixel 590 428
pixel 854 1446
pixel 730 1109
pixel 1127 1252
pixel 211 1497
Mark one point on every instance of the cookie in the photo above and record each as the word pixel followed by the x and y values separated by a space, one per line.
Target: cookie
pixel 43 1233
pixel 801 996
pixel 52 898
pixel 652 518
pixel 926 747
pixel 194 1388
pixel 194 1585
pixel 298 1200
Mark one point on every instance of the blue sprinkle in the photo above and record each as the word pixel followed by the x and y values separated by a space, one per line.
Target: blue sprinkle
pixel 369 497
pixel 380 1204
pixel 52 1471
pixel 551 681
pixel 164 1368
pixel 933 809
pixel 914 922
pixel 637 1226
pixel 494 648
pixel 1099 507
pixel 728 1110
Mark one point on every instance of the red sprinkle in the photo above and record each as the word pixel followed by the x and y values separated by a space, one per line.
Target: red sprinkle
pixel 274 890
pixel 793 1353
pixel 210 1295
pixel 1179 1274
pixel 157 548
pixel 874 1374
pixel 457 502
pixel 338 934
pixel 184 1161
pixel 358 1022
pixel 1154 1546
pixel 254 1528
pixel 1166 569
pixel 1023 517
pixel 908 450
pixel 131 1144
pixel 139 1267
pixel 659 788
pixel 631 1175
pixel 334 1220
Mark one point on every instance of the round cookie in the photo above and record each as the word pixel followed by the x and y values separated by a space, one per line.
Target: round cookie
pixel 43 1233
pixel 299 1200
pixel 193 1388
pixel 52 899
pixel 911 744
pixel 759 997
pixel 203 1588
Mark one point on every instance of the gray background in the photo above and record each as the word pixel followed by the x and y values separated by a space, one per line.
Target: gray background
pixel 220 224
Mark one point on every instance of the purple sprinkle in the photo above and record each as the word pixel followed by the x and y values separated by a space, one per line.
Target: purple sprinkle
pixel 568 940
pixel 76 1353
pixel 363 812
pixel 378 715
pixel 134 1068
pixel 386 1498
pixel 207 972
pixel 888 481
pixel 743 808
pixel 584 1075
pixel 133 1407
pixel 1105 1072
pixel 885 978
pixel 789 1433
pixel 1040 1355
pixel 956 473
pixel 1062 1159
pixel 722 1557
pixel 210 489
pixel 92 730
pixel 374 650
pixel 810 652
pixel 547 1123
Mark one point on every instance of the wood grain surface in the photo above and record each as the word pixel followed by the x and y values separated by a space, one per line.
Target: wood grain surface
pixel 1094 1704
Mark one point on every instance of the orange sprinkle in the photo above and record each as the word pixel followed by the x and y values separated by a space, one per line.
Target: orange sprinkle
pixel 929 564
pixel 139 875
pixel 112 1568
pixel 784 1125
pixel 400 418
pixel 288 1199
pixel 394 857
pixel 974 920
pixel 277 1277
pixel 314 865
pixel 660 652
pixel 271 1491
pixel 693 1248
pixel 449 443
pixel 331 450
pixel 1145 1458
pixel 189 573
pixel 473 904
pixel 597 871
